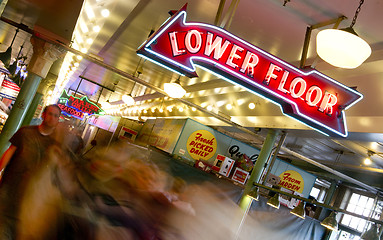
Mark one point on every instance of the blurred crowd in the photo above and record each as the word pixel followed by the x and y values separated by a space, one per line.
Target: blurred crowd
pixel 114 192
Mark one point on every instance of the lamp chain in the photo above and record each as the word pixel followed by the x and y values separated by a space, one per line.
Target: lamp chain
pixel 356 13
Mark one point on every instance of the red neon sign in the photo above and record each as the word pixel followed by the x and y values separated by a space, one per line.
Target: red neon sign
pixel 306 95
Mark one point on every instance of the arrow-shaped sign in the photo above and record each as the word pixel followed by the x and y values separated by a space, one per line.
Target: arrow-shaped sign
pixel 304 94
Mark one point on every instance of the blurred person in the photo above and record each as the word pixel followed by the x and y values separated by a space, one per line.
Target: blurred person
pixel 19 163
pixel 55 206
pixel 76 143
pixel 130 193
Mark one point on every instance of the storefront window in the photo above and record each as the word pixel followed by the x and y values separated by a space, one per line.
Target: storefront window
pixel 315 192
pixel 362 205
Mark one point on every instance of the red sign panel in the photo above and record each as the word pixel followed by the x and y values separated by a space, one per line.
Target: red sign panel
pixel 9 89
pixel 304 94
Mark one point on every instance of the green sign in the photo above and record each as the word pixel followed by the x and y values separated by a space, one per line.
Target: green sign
pixel 78 107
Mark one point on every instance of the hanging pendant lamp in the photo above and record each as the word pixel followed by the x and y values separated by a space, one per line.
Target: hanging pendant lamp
pixel 128 98
pixel 254 194
pixel 343 47
pixel 274 201
pixel 330 222
pixel 371 234
pixel 174 90
pixel 6 56
pixel 299 210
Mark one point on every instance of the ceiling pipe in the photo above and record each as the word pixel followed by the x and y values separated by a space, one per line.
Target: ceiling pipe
pixel 330 170
pixel 228 18
pixel 219 12
pixel 96 60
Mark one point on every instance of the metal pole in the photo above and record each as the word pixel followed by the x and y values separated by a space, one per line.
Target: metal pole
pixel 219 12
pixel 259 165
pixel 330 192
pixel 78 86
pixel 276 151
pixel 305 47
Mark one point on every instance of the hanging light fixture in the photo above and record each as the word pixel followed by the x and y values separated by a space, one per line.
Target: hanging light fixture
pixel 174 90
pixel 371 234
pixel 106 105
pixel 367 160
pixel 253 194
pixel 13 67
pixel 6 56
pixel 127 98
pixel 299 210
pixel 343 47
pixel 330 222
pixel 274 201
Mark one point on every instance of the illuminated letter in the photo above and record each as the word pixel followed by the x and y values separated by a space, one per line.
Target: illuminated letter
pixel 318 95
pixel 216 46
pixel 270 73
pixel 173 41
pixel 328 101
pixel 198 41
pixel 294 84
pixel 234 55
pixel 283 82
pixel 251 60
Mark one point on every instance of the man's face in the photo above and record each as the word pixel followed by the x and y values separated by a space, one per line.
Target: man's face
pixel 51 117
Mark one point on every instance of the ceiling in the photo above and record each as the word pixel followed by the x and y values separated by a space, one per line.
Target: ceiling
pixel 268 24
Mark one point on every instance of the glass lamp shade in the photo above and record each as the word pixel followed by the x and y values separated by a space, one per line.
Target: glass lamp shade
pixel 367 161
pixel 105 104
pixel 330 222
pixel 128 99
pixel 5 57
pixel 299 210
pixel 274 201
pixel 254 194
pixel 342 47
pixel 174 90
pixel 371 234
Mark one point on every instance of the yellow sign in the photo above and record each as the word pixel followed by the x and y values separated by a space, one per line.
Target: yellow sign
pixel 292 180
pixel 201 145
